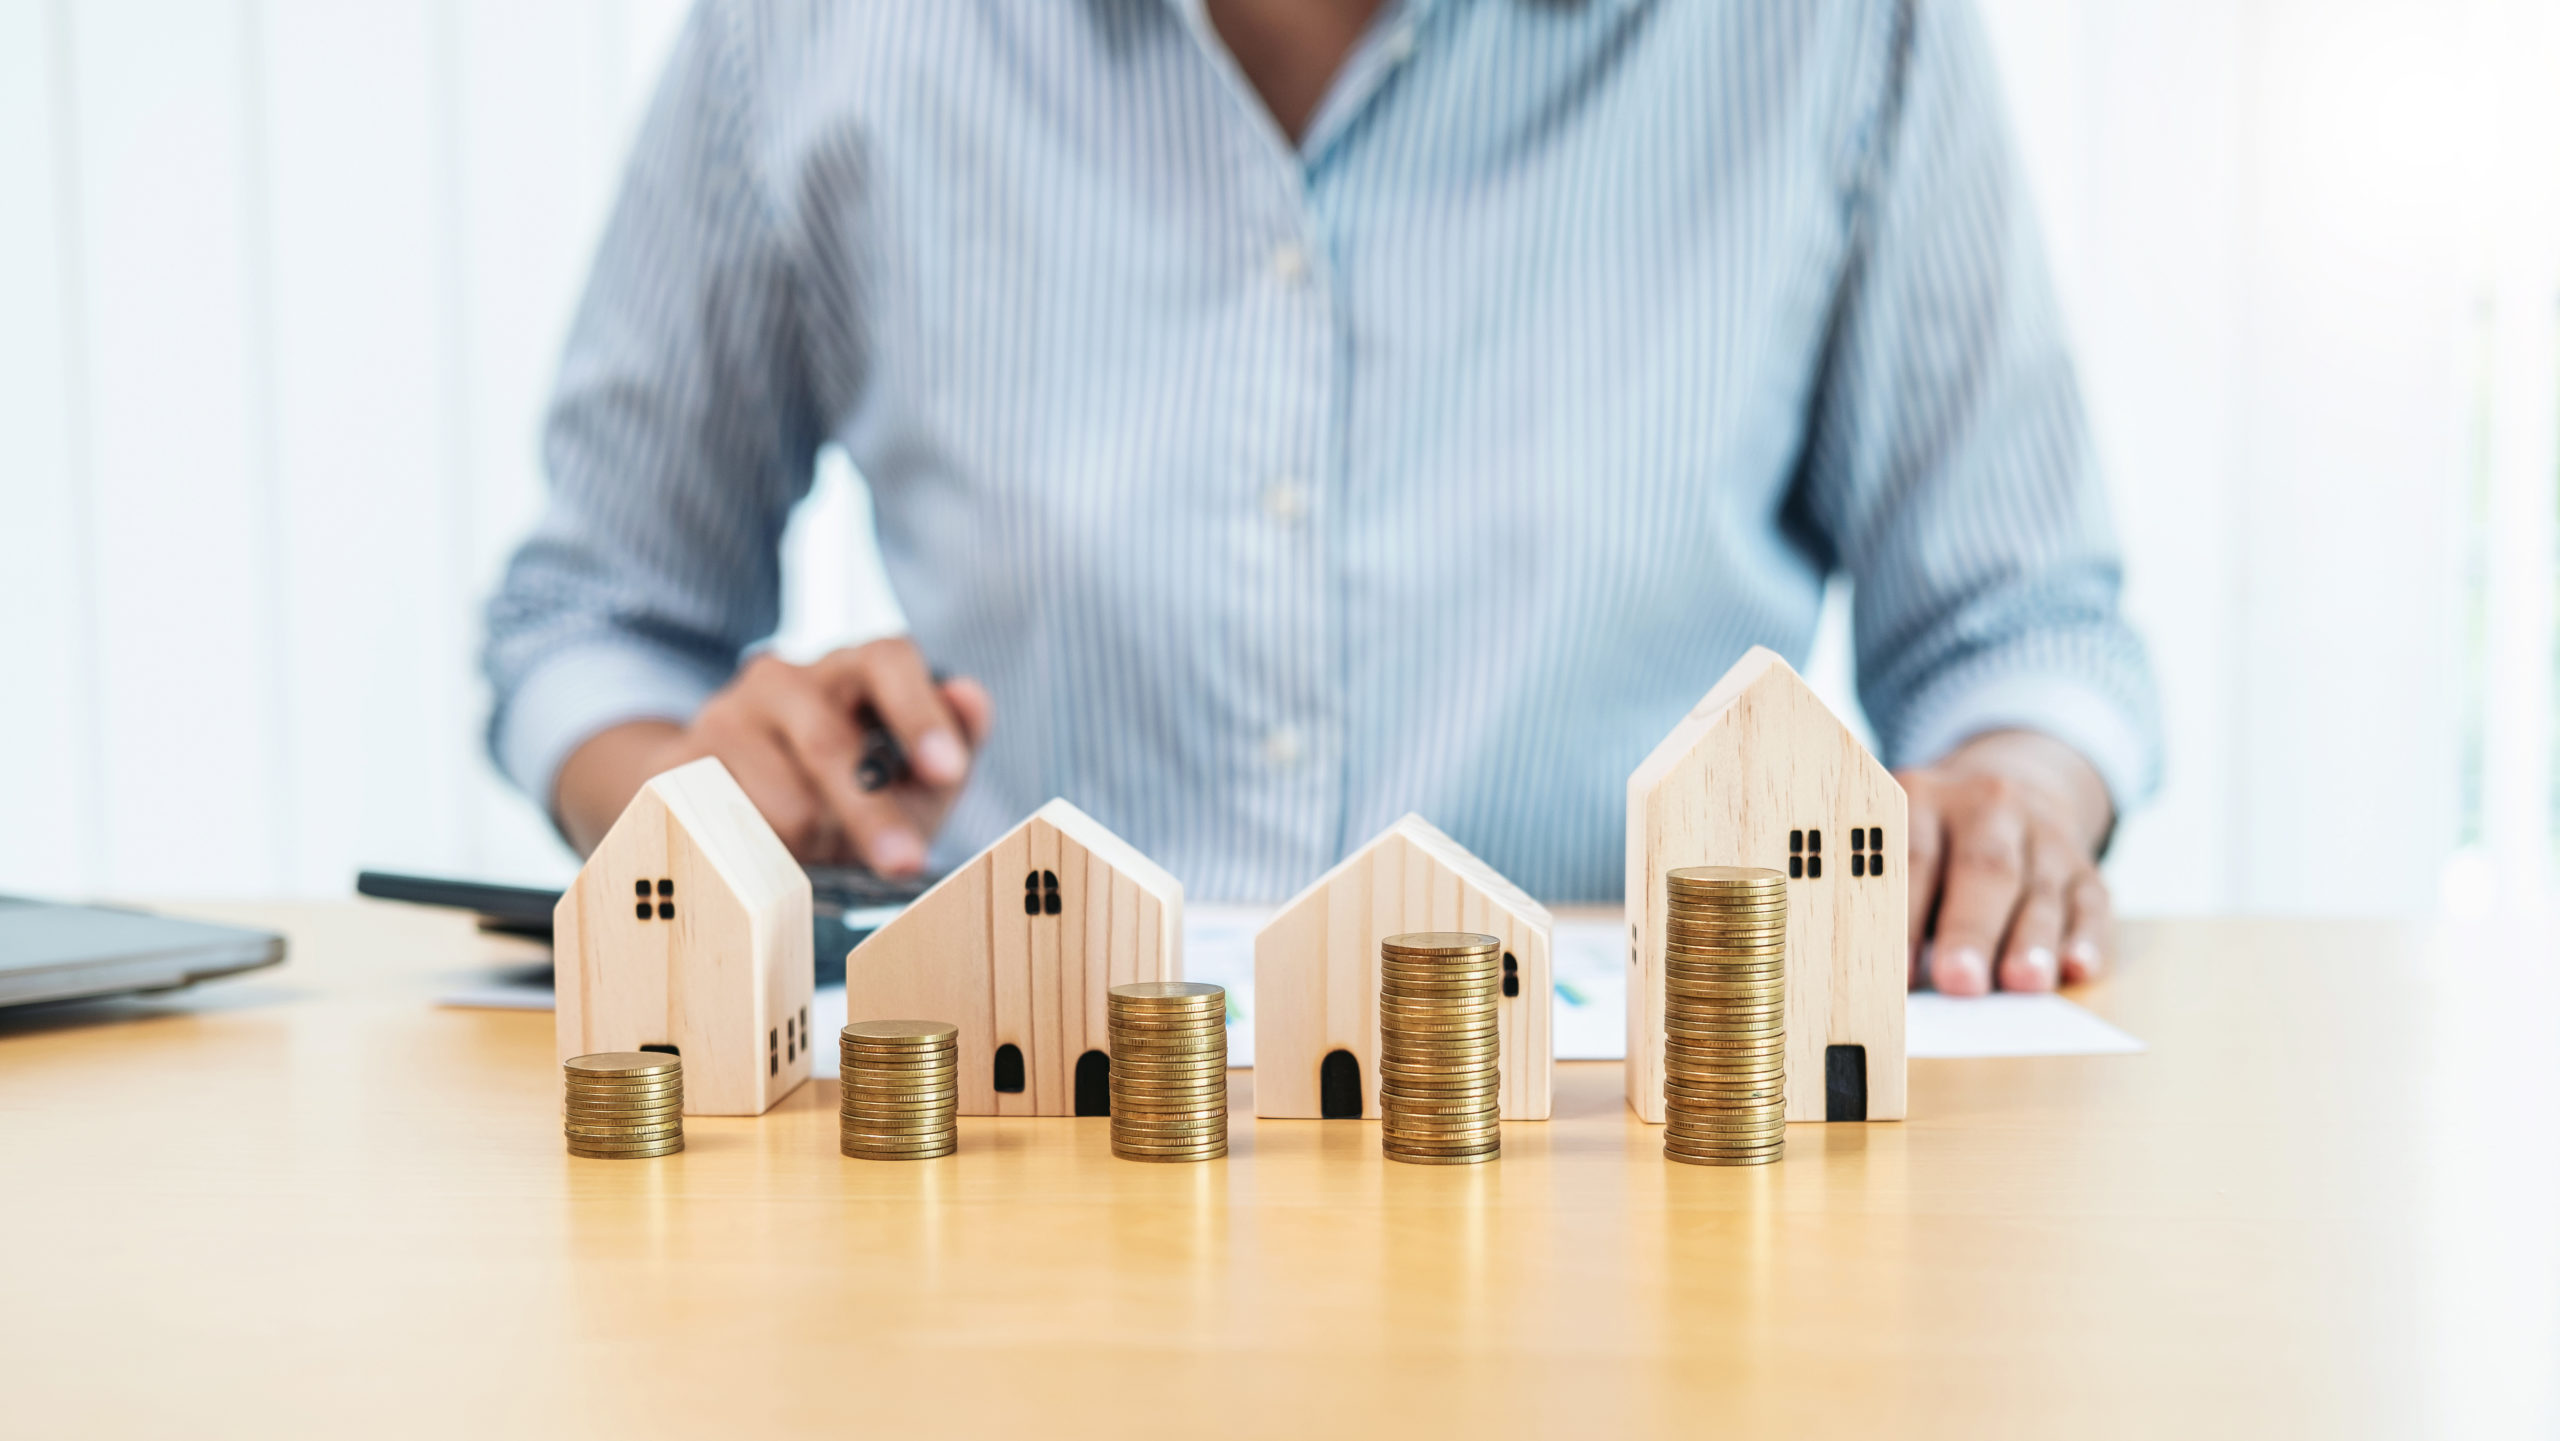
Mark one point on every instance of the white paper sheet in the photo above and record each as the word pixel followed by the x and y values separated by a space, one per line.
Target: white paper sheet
pixel 1591 1001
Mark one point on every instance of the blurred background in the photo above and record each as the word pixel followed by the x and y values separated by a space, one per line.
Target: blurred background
pixel 282 283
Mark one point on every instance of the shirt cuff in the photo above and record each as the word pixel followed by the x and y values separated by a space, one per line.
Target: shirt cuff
pixel 2079 715
pixel 577 692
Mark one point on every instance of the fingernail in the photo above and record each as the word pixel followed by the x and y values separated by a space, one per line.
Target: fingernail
pixel 938 757
pixel 2040 965
pixel 1963 971
pixel 2084 954
pixel 896 853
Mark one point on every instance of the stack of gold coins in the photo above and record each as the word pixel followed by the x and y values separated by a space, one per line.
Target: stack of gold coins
pixel 1439 1047
pixel 625 1104
pixel 1169 1071
pixel 1724 1016
pixel 901 1084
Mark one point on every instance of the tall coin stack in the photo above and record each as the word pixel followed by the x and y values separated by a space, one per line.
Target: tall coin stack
pixel 1168 1071
pixel 624 1104
pixel 1440 1047
pixel 1724 1018
pixel 901 1090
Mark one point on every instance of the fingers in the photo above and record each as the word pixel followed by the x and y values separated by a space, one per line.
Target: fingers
pixel 825 747
pixel 2029 959
pixel 892 678
pixel 975 708
pixel 761 760
pixel 2084 948
pixel 1984 878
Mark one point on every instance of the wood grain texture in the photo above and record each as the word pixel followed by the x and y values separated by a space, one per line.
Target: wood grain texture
pixel 724 977
pixel 368 1227
pixel 1762 757
pixel 1315 968
pixel 967 952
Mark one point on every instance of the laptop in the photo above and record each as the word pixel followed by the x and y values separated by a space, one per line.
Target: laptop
pixel 846 905
pixel 55 952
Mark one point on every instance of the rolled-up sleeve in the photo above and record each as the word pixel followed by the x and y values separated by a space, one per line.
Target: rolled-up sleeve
pixel 680 436
pixel 1950 464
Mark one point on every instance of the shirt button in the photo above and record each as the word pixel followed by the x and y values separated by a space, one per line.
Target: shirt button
pixel 1282 748
pixel 1284 500
pixel 1289 262
pixel 1399 46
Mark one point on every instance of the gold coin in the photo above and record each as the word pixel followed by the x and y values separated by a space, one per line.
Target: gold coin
pixel 1169 1145
pixel 908 1061
pixel 1770 1146
pixel 1409 1030
pixel 918 1032
pixel 1724 1035
pixel 1718 876
pixel 1768 1141
pixel 1171 1068
pixel 621 1118
pixel 620 1135
pixel 623 1063
pixel 884 1136
pixel 590 1153
pixel 1441 943
pixel 623 1143
pixel 1167 991
pixel 1440 1143
pixel 1484 1010
pixel 1204 1016
pixel 1468 1085
pixel 668 1086
pixel 1175 1110
pixel 1488 1071
pixel 1704 1048
pixel 1199 1153
pixel 1405 1133
pixel 1468 1159
pixel 865 1153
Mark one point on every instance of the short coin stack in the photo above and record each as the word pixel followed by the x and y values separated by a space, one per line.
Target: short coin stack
pixel 1724 1018
pixel 1168 1071
pixel 624 1104
pixel 901 1090
pixel 1440 1047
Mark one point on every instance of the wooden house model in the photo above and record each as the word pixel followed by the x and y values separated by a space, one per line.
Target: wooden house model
pixel 1020 948
pixel 689 931
pixel 1761 773
pixel 1315 974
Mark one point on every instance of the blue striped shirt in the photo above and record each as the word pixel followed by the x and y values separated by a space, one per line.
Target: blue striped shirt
pixel 1438 462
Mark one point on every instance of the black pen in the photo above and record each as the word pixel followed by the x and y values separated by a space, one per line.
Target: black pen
pixel 883 762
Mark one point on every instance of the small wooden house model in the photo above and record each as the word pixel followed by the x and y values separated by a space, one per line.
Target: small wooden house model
pixel 1020 948
pixel 1315 974
pixel 1761 773
pixel 689 931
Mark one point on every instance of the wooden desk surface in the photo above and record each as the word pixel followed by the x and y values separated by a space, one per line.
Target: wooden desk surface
pixel 312 1202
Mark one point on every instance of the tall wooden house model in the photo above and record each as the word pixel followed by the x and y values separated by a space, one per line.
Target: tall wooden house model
pixel 689 931
pixel 1020 948
pixel 1315 974
pixel 1761 773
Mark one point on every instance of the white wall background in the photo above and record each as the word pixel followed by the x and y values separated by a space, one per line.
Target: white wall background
pixel 282 283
